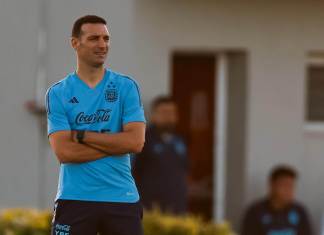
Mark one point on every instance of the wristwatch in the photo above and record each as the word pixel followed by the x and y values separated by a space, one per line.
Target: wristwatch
pixel 80 136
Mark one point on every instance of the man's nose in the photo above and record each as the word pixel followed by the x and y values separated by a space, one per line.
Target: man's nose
pixel 102 43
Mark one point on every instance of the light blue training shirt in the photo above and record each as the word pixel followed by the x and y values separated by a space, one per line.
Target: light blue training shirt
pixel 72 105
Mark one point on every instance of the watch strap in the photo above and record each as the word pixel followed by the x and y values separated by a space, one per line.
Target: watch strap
pixel 80 136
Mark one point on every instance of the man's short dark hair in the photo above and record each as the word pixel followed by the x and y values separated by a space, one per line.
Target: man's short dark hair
pixel 281 172
pixel 88 19
pixel 163 99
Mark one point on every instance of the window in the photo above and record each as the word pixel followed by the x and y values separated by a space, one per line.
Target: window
pixel 315 88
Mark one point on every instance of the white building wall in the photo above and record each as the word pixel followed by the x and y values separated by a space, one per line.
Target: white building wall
pixel 19 135
pixel 276 36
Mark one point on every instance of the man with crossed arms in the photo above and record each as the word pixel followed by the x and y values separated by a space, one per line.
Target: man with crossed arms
pixel 95 120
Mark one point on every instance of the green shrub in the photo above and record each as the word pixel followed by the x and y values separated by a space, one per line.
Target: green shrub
pixel 25 222
pixel 35 222
pixel 156 223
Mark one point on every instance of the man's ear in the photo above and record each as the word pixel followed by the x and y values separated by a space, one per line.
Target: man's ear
pixel 74 42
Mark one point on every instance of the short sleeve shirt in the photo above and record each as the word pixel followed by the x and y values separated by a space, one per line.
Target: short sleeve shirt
pixel 72 105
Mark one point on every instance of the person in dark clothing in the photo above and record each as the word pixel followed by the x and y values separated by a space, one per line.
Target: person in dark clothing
pixel 160 171
pixel 279 213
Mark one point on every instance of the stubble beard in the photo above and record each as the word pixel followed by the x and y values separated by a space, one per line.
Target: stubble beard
pixel 97 65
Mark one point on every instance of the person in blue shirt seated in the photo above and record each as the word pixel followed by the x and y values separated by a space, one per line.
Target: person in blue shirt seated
pixel 278 213
pixel 160 170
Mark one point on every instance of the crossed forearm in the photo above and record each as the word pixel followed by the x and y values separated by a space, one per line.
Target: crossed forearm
pixel 98 145
pixel 113 144
pixel 78 153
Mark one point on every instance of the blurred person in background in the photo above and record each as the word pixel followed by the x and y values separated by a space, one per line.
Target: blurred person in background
pixel 278 213
pixel 95 120
pixel 160 170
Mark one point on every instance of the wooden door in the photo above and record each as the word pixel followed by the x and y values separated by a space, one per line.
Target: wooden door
pixel 193 88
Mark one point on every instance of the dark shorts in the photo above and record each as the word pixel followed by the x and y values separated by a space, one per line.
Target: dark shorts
pixel 72 217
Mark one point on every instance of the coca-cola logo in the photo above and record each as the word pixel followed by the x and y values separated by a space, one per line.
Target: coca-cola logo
pixel 101 115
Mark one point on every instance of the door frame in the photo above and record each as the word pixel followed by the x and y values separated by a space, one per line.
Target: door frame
pixel 220 126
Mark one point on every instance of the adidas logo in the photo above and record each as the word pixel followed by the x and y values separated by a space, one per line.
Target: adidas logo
pixel 74 100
